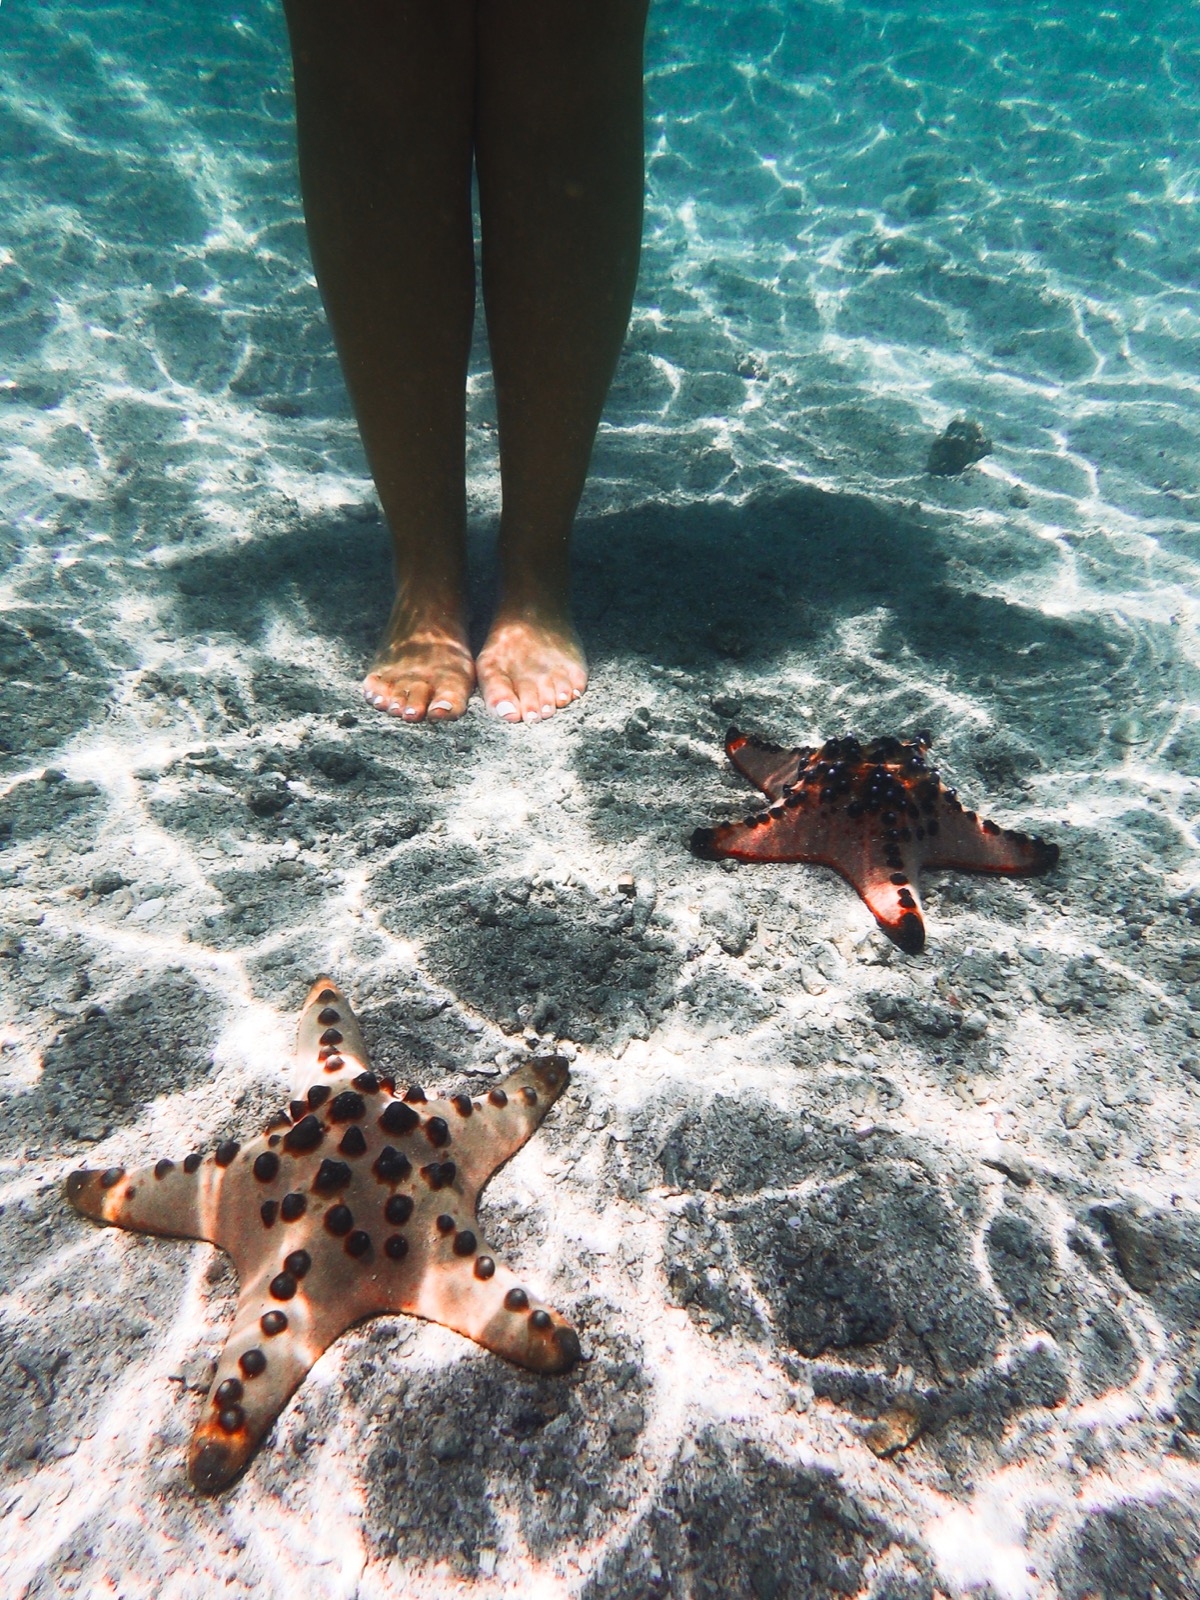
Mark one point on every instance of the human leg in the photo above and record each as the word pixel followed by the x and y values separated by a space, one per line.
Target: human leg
pixel 385 113
pixel 560 167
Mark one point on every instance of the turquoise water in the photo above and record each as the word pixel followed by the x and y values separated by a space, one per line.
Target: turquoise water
pixel 863 222
pixel 895 213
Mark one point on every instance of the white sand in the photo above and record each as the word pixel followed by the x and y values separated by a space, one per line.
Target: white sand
pixel 805 1194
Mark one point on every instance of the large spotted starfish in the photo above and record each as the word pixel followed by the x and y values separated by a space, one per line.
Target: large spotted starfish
pixel 876 813
pixel 360 1201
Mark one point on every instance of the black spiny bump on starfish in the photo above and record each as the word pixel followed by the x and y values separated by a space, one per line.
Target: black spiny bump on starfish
pixel 266 1166
pixel 347 1107
pixel 331 1176
pixel 391 1166
pixel 399 1119
pixel 305 1136
pixel 353 1142
pixel 339 1220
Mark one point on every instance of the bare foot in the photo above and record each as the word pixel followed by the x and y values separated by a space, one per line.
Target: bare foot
pixel 423 668
pixel 531 666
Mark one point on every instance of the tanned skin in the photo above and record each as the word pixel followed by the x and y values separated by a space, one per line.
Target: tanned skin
pixel 396 101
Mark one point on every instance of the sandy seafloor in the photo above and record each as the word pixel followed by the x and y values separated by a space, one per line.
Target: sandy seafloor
pixel 805 1196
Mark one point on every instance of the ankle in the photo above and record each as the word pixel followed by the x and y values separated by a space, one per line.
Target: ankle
pixel 442 609
pixel 534 600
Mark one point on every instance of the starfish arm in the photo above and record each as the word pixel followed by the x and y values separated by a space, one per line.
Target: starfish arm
pixel 890 893
pixel 500 1122
pixel 269 1351
pixel 804 829
pixel 779 834
pixel 970 844
pixel 769 767
pixel 482 1299
pixel 732 839
pixel 165 1199
pixel 329 1041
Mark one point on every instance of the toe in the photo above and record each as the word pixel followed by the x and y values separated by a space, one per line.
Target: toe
pixel 532 701
pixel 415 701
pixel 446 702
pixel 502 697
pixel 382 695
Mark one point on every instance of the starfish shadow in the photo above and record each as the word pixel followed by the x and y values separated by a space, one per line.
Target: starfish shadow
pixel 559 1456
pixel 107 1064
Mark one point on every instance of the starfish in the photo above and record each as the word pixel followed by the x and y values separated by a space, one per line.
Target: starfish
pixel 874 812
pixel 359 1201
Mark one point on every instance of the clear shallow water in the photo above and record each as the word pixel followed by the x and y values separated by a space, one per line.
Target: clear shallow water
pixel 862 221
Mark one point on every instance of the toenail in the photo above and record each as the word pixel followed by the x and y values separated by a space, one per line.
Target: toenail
pixel 378 701
pixel 531 716
pixel 441 705
pixel 505 708
pixel 547 711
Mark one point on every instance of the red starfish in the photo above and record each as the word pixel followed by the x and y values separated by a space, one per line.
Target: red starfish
pixel 874 812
